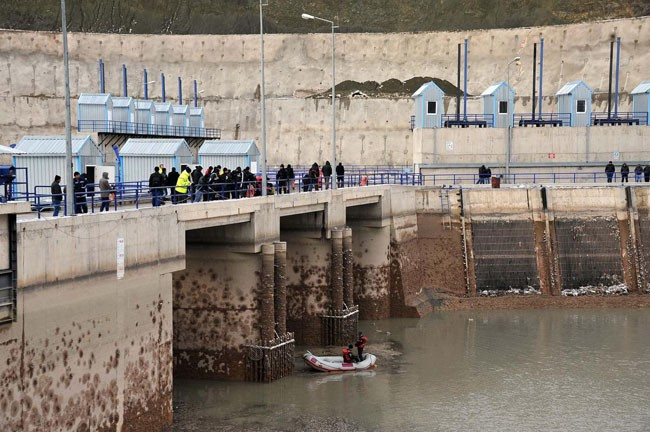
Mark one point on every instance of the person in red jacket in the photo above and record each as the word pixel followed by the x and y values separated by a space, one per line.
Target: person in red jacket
pixel 347 354
pixel 361 344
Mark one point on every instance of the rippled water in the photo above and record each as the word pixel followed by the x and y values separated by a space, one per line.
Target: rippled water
pixel 578 370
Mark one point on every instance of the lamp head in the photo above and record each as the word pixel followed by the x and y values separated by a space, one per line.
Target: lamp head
pixel 516 59
pixel 307 16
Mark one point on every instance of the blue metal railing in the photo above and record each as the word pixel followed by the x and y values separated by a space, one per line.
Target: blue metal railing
pixel 466 120
pixel 621 118
pixel 120 127
pixel 136 194
pixel 543 119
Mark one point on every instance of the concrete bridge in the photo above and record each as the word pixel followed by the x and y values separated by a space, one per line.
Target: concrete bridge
pixel 111 306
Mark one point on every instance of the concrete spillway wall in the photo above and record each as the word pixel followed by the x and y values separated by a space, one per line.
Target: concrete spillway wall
pixel 298 66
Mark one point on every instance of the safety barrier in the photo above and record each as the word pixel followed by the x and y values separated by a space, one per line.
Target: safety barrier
pixel 128 128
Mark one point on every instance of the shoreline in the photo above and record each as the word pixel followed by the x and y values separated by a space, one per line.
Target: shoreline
pixel 452 303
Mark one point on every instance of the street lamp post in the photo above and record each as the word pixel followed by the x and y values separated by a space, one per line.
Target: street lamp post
pixel 509 148
pixel 333 157
pixel 69 181
pixel 263 99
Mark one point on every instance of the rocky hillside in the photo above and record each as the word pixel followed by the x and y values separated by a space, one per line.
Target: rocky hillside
pixel 283 16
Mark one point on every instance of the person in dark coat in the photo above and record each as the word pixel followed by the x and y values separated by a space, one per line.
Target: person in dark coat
pixel 625 171
pixel 314 173
pixel 638 173
pixel 155 183
pixel 481 174
pixel 306 182
pixel 291 178
pixel 646 173
pixel 172 178
pixel 610 169
pixel 340 174
pixel 327 174
pixel 57 194
pixel 281 178
pixel 80 205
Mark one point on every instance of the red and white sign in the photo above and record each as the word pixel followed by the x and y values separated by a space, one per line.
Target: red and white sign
pixel 551 155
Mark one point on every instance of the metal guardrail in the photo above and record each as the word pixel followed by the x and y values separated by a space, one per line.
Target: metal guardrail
pixel 618 119
pixel 136 194
pixel 128 128
pixel 543 119
pixel 467 120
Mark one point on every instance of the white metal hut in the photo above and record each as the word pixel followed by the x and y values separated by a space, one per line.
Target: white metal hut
pixel 162 117
pixel 44 157
pixel 180 115
pixel 499 102
pixel 144 115
pixel 641 102
pixel 139 156
pixel 428 106
pixel 196 117
pixel 123 113
pixel 230 154
pixel 575 98
pixel 95 112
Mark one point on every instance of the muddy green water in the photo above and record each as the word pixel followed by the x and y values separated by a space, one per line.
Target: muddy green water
pixel 564 370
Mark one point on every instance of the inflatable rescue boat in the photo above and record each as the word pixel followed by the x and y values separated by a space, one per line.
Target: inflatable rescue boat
pixel 336 364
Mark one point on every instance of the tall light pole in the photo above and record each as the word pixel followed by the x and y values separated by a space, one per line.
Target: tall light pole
pixel 509 148
pixel 263 98
pixel 333 157
pixel 69 181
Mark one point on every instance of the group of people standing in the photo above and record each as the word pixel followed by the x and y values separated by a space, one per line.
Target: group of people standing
pixel 317 178
pixel 197 185
pixel 640 173
pixel 82 191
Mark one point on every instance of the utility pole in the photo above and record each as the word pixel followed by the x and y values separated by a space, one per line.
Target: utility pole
pixel 69 181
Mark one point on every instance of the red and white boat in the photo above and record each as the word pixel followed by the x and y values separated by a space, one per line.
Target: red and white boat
pixel 336 364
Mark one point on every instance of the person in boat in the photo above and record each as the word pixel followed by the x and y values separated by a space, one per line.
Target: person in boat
pixel 348 357
pixel 361 344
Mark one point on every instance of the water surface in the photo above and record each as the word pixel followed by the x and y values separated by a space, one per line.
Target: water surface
pixel 578 370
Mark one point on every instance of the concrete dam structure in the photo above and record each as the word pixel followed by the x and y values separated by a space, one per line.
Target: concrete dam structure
pixel 369 130
pixel 111 306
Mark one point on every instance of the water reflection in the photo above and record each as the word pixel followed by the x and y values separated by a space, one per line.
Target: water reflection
pixel 477 370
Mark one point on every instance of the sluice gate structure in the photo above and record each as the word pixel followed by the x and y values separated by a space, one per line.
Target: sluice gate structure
pixel 109 307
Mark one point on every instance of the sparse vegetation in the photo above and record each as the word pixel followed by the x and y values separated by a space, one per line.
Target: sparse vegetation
pixel 283 16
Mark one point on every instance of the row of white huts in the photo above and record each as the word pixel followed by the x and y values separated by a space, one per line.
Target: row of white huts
pixel 95 109
pixel 44 157
pixel 574 104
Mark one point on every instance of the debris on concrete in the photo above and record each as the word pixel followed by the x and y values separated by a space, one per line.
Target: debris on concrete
pixel 512 291
pixel 597 290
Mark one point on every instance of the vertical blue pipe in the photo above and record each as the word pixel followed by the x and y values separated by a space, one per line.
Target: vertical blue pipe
pixel 618 57
pixel 162 78
pixel 180 91
pixel 146 86
pixel 541 74
pixel 195 97
pixel 102 87
pixel 465 86
pixel 124 88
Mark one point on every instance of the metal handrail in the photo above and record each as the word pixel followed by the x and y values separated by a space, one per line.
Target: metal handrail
pixel 120 127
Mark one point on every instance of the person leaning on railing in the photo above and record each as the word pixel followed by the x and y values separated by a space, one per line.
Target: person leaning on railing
pixel 105 192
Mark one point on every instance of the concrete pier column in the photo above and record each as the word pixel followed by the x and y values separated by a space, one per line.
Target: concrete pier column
pixel 280 297
pixel 267 305
pixel 348 275
pixel 336 279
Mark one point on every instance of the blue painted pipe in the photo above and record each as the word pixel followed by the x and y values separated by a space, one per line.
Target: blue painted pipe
pixel 101 76
pixel 465 86
pixel 180 91
pixel 162 78
pixel 124 87
pixel 195 97
pixel 541 73
pixel 618 57
pixel 146 86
